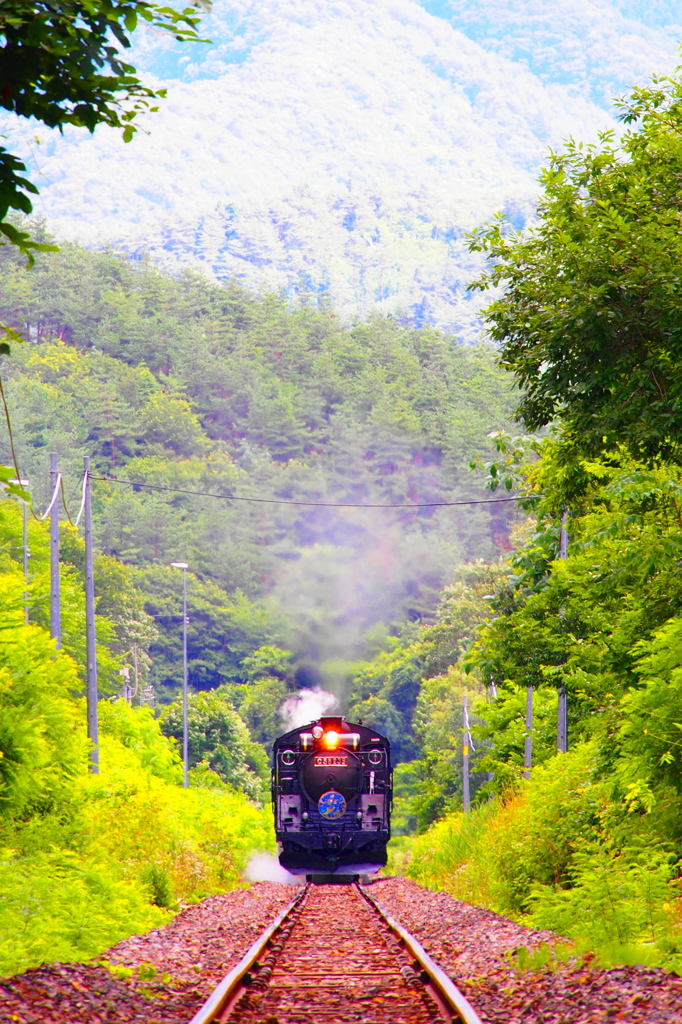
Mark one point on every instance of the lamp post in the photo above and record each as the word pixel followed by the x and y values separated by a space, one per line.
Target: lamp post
pixel 90 630
pixel 55 608
pixel 185 722
pixel 24 484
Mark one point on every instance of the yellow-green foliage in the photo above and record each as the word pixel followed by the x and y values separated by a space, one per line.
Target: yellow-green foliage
pixel 41 746
pixel 200 839
pixel 545 855
pixel 497 853
pixel 86 860
pixel 120 852
pixel 59 905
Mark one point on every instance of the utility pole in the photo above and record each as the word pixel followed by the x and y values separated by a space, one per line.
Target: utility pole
pixel 136 668
pixel 528 744
pixel 492 695
pixel 55 613
pixel 26 553
pixel 185 717
pixel 24 485
pixel 562 712
pixel 90 636
pixel 466 740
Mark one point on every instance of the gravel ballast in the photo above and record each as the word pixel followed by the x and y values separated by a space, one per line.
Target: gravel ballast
pixel 189 956
pixel 473 946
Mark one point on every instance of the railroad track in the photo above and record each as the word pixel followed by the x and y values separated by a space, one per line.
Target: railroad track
pixel 334 956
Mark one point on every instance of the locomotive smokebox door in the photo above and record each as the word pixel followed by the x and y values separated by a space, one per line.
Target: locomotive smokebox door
pixel 340 772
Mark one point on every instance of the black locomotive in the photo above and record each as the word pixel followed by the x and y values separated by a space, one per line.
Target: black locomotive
pixel 331 795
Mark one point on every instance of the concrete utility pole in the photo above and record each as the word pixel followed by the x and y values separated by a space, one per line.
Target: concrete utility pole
pixel 55 612
pixel 466 740
pixel 90 635
pixel 185 717
pixel 562 713
pixel 492 695
pixel 528 744
pixel 24 486
pixel 24 483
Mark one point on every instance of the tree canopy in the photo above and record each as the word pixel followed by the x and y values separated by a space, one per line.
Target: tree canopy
pixel 590 322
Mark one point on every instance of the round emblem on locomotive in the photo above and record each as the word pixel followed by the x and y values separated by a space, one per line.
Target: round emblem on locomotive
pixel 331 805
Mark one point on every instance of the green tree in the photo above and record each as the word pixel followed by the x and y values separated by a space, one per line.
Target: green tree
pixel 269 674
pixel 590 322
pixel 218 740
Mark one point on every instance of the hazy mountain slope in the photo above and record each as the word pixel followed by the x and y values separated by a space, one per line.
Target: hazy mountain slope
pixel 343 148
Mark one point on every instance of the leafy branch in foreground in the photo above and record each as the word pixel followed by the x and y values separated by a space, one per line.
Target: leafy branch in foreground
pixel 60 63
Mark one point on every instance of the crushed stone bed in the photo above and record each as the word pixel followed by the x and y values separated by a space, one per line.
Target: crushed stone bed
pixel 471 945
pixel 203 942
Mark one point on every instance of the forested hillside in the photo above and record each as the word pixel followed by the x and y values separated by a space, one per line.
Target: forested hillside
pixel 358 179
pixel 177 382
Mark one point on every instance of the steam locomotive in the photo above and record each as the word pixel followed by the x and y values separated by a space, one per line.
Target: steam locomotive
pixel 331 796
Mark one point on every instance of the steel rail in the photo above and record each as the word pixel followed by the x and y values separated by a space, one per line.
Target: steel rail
pixel 446 995
pixel 224 994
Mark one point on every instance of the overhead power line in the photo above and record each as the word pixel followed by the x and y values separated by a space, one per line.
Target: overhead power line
pixel 317 504
pixel 236 497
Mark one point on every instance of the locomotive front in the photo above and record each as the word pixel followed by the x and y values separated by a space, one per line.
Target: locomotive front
pixel 331 795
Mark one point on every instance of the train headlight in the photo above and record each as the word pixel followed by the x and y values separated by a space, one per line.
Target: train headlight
pixel 331 739
pixel 317 731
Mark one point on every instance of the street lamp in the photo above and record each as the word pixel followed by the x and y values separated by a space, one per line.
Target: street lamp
pixel 185 723
pixel 24 484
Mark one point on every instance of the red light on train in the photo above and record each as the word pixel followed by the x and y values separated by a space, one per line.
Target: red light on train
pixel 331 739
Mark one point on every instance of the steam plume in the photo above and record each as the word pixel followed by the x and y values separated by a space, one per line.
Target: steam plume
pixel 306 706
pixel 263 867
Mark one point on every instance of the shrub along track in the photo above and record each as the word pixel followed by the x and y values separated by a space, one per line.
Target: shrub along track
pixel 205 941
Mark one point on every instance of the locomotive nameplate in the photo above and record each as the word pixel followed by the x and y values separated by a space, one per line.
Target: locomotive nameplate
pixel 330 761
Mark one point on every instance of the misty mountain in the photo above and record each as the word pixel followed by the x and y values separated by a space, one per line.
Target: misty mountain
pixel 345 149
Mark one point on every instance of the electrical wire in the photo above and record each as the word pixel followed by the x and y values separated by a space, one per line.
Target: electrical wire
pixel 317 504
pixel 61 487
pixel 55 495
pixel 11 439
pixel 85 486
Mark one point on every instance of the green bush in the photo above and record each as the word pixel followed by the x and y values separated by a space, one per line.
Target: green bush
pixel 158 885
pixel 59 905
pixel 616 899
pixel 42 746
pixel 546 855
pixel 121 851
pixel 86 860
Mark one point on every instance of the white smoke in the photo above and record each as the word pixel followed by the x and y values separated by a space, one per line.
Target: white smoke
pixel 263 867
pixel 306 706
